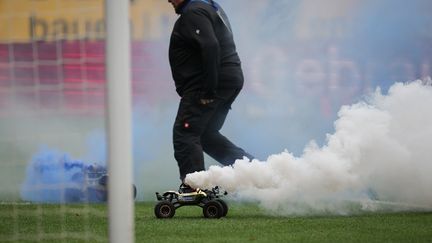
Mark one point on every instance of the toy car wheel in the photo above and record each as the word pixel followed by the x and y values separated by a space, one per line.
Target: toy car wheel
pixel 96 195
pixel 164 210
pixel 72 195
pixel 213 210
pixel 224 207
pixel 134 191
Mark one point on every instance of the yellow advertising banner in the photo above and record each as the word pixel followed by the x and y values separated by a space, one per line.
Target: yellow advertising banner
pixel 28 20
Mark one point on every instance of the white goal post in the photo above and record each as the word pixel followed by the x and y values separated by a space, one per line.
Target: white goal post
pixel 120 197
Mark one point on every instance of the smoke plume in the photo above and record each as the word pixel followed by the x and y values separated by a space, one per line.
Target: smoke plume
pixel 378 153
pixel 54 177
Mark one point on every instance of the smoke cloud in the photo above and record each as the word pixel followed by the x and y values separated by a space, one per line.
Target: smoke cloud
pixel 378 154
pixel 55 177
pixel 52 175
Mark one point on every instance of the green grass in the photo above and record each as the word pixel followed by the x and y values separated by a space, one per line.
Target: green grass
pixel 245 223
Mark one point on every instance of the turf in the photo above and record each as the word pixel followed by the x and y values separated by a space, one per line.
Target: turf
pixel 244 223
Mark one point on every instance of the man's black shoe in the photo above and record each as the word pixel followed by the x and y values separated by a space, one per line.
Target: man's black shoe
pixel 184 188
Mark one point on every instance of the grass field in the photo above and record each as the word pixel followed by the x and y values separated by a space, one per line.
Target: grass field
pixel 244 223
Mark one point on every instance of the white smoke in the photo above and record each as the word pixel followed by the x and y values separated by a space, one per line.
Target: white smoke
pixel 380 150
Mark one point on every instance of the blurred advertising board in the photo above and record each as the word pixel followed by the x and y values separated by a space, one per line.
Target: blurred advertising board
pixel 47 20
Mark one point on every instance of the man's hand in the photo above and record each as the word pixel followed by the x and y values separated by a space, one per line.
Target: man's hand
pixel 206 101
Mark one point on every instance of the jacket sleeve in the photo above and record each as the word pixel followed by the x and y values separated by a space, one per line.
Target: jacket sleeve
pixel 200 33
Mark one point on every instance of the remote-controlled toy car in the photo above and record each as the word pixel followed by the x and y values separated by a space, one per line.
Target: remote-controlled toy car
pixel 90 184
pixel 209 200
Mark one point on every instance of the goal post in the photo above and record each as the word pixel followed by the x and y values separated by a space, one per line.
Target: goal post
pixel 119 112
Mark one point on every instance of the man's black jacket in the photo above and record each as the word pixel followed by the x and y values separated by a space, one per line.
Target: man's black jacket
pixel 202 52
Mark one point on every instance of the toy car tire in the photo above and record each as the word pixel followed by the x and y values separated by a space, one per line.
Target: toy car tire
pixel 96 195
pixel 164 210
pixel 134 191
pixel 224 207
pixel 213 209
pixel 73 195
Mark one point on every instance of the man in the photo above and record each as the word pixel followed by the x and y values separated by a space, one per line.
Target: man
pixel 208 77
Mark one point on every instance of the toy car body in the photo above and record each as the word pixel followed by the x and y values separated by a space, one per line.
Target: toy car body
pixel 209 200
pixel 90 184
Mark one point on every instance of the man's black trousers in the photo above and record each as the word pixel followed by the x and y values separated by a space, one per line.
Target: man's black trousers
pixel 196 129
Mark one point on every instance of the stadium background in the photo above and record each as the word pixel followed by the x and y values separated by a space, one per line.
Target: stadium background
pixel 302 59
